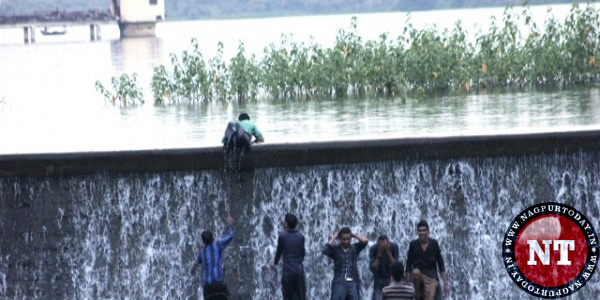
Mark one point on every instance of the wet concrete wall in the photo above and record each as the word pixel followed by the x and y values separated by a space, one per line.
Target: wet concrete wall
pixel 286 155
pixel 127 224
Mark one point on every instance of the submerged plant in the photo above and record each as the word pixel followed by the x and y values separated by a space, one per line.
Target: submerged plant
pixel 418 61
pixel 125 91
pixel 244 76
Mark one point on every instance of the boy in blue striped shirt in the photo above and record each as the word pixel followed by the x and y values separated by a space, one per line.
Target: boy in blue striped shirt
pixel 211 259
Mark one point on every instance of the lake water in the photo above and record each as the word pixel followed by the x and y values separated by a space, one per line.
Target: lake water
pixel 133 235
pixel 48 102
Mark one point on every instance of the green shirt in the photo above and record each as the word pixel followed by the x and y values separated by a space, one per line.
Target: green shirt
pixel 251 129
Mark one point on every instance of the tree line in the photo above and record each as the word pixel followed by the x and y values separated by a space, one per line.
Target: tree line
pixel 218 9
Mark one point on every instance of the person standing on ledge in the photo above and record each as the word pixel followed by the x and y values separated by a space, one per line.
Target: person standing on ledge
pixel 238 135
pixel 211 259
pixel 290 245
pixel 346 280
pixel 422 263
pixel 381 257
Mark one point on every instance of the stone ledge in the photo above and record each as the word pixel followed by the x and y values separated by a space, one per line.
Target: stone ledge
pixel 301 154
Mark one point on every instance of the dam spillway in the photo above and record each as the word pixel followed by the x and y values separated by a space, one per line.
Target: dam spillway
pixel 127 224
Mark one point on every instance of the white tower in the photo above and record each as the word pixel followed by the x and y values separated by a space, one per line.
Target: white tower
pixel 138 18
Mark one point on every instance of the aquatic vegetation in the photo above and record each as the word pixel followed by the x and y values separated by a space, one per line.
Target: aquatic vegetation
pixel 244 75
pixel 126 91
pixel 187 81
pixel 513 52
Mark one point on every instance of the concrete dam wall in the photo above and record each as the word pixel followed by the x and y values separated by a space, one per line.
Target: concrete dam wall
pixel 118 225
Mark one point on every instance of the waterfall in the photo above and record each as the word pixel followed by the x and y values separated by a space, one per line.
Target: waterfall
pixel 111 237
pixel 468 204
pixel 136 235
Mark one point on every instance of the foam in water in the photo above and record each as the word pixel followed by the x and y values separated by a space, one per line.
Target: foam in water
pixel 135 236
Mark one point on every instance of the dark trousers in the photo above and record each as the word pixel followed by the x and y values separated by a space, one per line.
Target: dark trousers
pixel 378 285
pixel 344 290
pixel 236 138
pixel 216 291
pixel 293 286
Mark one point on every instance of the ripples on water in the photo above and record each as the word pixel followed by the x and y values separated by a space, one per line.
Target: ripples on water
pixel 135 236
pixel 50 104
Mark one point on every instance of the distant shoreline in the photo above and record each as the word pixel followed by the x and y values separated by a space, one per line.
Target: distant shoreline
pixel 242 9
pixel 282 14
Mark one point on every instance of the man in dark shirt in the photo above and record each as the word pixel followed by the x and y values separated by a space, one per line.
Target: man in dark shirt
pixel 346 280
pixel 381 256
pixel 422 264
pixel 290 244
pixel 211 259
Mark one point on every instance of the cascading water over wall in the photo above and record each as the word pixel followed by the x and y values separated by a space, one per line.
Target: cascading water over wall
pixel 468 204
pixel 135 235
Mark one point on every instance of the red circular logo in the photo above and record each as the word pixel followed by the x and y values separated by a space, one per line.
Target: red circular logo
pixel 557 260
pixel 550 250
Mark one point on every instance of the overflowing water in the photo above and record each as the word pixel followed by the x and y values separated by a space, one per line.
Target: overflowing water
pixel 103 237
pixel 135 236
pixel 467 204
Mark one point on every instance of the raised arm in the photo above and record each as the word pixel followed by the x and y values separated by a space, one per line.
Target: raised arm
pixel 374 257
pixel 328 248
pixel 391 252
pixel 226 238
pixel 332 239
pixel 362 241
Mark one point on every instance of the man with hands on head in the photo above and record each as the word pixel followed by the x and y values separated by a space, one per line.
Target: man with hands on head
pixel 346 280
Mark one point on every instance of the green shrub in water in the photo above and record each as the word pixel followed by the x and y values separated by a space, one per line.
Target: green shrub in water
pixel 125 91
pixel 419 61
